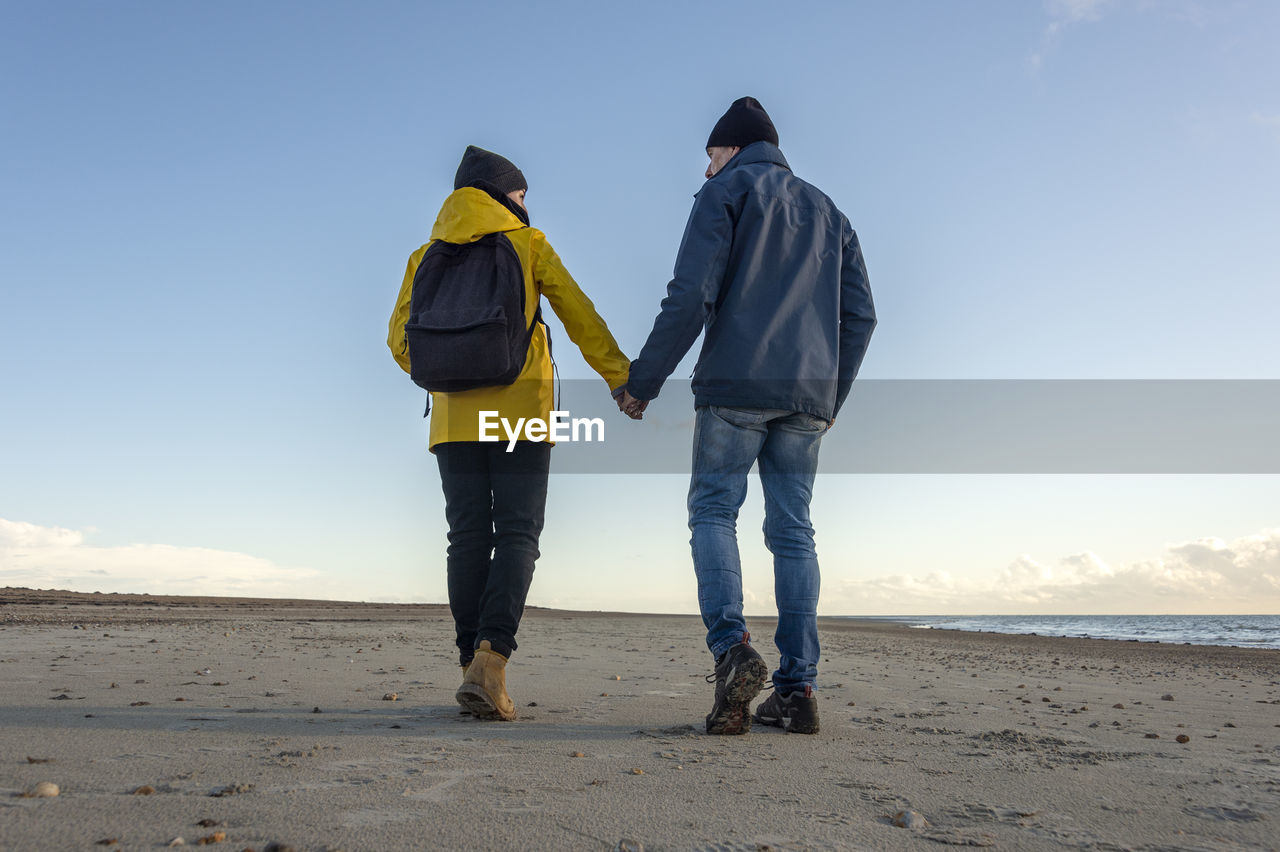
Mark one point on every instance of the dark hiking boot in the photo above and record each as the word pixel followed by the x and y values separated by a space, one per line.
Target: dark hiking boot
pixel 739 677
pixel 794 712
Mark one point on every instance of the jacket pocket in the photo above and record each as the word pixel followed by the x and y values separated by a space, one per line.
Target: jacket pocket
pixel 805 423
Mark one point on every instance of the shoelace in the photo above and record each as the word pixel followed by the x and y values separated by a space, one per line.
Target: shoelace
pixel 746 640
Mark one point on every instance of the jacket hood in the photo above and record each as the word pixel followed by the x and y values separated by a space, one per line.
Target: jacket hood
pixel 468 214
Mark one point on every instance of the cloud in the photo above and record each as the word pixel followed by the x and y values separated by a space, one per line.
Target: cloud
pixel 1207 575
pixel 1063 14
pixel 54 557
pixel 19 534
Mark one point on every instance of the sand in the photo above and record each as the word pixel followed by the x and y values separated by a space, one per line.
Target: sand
pixel 318 725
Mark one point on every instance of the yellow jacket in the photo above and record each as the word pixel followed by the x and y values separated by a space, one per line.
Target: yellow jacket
pixel 467 215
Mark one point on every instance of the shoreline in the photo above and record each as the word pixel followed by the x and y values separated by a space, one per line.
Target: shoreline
pixel 23 605
pixel 1231 630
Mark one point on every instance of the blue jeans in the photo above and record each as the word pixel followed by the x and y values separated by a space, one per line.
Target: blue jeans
pixel 726 443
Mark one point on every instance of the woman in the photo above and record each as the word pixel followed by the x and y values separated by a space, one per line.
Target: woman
pixel 495 500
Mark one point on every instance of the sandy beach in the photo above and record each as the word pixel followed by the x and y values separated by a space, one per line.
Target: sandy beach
pixel 267 724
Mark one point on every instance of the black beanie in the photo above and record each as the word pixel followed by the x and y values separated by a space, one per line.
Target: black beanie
pixel 481 165
pixel 744 123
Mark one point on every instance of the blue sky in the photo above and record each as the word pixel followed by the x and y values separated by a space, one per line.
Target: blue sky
pixel 207 209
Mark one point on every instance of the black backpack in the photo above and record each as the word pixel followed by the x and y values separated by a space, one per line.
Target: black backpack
pixel 466 316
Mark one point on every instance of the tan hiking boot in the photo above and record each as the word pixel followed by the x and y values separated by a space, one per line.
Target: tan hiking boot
pixel 484 688
pixel 464 711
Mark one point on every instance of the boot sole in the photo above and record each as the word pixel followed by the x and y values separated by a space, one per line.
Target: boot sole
pixel 475 699
pixel 742 686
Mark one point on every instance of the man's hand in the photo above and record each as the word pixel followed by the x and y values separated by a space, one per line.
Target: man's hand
pixel 630 406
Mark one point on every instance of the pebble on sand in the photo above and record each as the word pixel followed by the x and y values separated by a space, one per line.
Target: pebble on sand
pixel 637 771
pixel 391 696
pixel 1166 697
pixel 43 790
pixel 231 790
pixel 577 754
pixel 145 790
pixel 910 819
pixel 209 840
pixel 1183 738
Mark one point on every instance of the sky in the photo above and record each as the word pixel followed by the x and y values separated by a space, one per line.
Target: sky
pixel 206 210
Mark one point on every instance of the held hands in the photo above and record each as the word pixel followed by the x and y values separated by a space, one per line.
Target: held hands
pixel 634 408
pixel 630 406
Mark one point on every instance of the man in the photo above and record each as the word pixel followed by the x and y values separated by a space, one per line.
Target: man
pixel 773 273
pixel 495 497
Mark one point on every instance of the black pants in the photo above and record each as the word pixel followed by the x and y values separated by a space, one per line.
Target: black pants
pixel 495 503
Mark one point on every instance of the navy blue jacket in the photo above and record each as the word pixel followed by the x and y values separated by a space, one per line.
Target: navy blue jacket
pixel 774 273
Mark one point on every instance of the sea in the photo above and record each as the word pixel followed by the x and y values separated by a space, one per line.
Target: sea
pixel 1242 631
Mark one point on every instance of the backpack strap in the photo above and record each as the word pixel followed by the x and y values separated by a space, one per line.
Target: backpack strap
pixel 555 368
